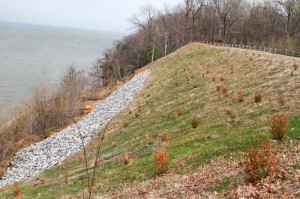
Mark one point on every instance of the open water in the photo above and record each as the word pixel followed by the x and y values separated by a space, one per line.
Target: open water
pixel 31 54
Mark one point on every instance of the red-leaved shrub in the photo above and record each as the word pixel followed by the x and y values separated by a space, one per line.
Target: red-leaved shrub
pixel 126 158
pixel 260 160
pixel 194 121
pixel 165 137
pixel 257 97
pixel 279 125
pixel 225 91
pixel 240 96
pixel 179 112
pixel 160 162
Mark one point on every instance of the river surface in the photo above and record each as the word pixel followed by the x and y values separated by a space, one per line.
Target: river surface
pixel 31 54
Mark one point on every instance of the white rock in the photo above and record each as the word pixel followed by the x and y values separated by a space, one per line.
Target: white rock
pixel 34 159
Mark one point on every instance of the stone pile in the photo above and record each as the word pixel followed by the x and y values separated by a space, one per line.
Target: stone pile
pixel 31 161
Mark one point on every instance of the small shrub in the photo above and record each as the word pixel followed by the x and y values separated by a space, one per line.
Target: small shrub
pixel 278 125
pixel 221 78
pixel 147 137
pixel 126 124
pixel 194 121
pixel 295 67
pixel 48 133
pixel 240 96
pixel 218 88
pixel 228 111
pixel 257 97
pixel 42 180
pixel 260 161
pixel 126 158
pixel 136 115
pixel 160 162
pixel 213 78
pixel 292 74
pixel 154 135
pixel 130 111
pixel 140 109
pixel 165 137
pixel 17 191
pixel 114 144
pixel 179 112
pixel 225 92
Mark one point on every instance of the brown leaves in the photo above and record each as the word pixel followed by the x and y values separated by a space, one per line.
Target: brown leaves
pixel 201 182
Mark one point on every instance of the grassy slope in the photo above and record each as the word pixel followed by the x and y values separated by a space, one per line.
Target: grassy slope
pixel 184 80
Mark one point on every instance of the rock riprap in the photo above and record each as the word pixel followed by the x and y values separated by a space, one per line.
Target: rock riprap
pixel 31 161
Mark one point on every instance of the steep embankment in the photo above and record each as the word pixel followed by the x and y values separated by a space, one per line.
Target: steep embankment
pixel 201 81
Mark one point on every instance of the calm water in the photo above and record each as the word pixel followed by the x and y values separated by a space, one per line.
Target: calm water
pixel 32 54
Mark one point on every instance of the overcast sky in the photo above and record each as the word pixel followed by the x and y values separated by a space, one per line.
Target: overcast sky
pixel 111 15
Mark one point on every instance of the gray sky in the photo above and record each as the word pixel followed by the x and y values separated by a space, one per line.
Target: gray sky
pixel 111 15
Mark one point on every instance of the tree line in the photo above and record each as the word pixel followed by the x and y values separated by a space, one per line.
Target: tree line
pixel 269 23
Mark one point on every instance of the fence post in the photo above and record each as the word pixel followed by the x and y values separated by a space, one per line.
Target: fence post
pixel 275 50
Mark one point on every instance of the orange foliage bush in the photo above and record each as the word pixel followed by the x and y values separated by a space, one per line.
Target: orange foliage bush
pixel 179 112
pixel 17 191
pixel 154 135
pixel 213 78
pixel 126 124
pixel 160 162
pixel 126 158
pixel 225 92
pixel 240 96
pixel 147 137
pixel 194 121
pixel 279 125
pixel 165 137
pixel 257 97
pixel 140 109
pixel 260 160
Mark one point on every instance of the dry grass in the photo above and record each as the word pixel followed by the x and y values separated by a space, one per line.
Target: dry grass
pixel 159 111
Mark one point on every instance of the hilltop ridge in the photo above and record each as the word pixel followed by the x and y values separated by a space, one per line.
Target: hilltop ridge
pixel 199 81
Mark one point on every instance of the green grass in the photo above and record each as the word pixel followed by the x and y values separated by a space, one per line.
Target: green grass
pixel 223 185
pixel 188 147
